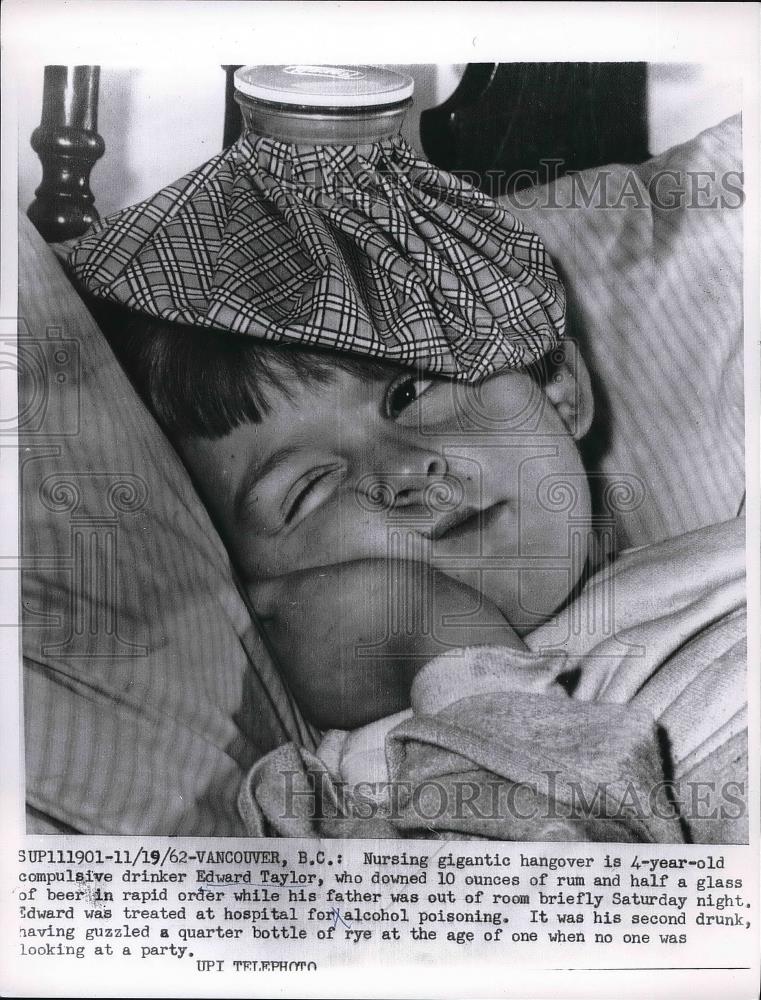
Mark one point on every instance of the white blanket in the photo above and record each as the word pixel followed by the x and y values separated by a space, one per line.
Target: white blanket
pixel 662 630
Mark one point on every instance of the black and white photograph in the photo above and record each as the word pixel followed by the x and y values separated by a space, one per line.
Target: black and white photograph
pixel 385 443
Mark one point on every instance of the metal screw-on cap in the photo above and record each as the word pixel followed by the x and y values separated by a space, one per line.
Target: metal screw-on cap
pixel 324 86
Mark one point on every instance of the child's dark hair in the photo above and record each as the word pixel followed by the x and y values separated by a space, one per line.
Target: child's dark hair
pixel 201 382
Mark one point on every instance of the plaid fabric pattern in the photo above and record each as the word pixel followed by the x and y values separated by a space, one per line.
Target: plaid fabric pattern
pixel 367 249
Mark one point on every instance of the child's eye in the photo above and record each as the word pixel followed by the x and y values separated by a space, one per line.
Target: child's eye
pixel 309 492
pixel 402 392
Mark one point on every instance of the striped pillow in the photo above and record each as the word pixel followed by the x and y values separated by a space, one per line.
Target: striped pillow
pixel 148 693
pixel 654 283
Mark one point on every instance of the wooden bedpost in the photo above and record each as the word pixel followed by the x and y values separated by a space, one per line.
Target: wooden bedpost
pixel 233 121
pixel 68 145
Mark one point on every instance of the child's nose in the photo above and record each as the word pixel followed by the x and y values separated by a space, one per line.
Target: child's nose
pixel 418 473
pixel 403 473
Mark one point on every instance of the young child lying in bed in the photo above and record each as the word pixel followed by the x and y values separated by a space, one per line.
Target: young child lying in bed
pixel 382 517
pixel 388 525
pixel 313 464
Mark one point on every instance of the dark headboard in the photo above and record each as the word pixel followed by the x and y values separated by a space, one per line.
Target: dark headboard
pixel 509 125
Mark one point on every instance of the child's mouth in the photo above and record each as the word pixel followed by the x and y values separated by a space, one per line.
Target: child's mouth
pixel 461 522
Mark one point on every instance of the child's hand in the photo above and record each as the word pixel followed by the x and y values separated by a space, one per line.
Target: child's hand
pixel 351 637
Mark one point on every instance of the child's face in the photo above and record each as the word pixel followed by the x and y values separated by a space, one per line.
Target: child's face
pixel 483 482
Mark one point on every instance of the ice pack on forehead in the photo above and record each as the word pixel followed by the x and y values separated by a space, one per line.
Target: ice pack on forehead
pixel 321 227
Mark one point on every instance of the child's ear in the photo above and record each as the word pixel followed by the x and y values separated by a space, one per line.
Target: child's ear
pixel 569 388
